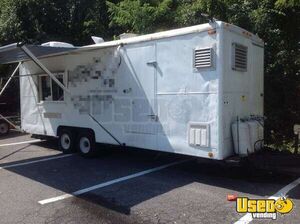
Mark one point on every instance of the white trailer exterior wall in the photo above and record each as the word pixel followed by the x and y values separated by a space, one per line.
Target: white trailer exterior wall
pixel 147 92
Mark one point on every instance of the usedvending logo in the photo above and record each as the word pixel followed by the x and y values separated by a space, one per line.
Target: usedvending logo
pixel 264 208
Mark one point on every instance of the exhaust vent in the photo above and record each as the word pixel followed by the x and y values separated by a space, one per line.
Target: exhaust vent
pixel 203 58
pixel 239 62
pixel 198 135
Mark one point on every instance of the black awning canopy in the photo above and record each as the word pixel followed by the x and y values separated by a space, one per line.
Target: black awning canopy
pixel 13 53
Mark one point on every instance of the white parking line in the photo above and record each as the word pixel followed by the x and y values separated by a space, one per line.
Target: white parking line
pixel 111 182
pixel 282 192
pixel 21 143
pixel 35 161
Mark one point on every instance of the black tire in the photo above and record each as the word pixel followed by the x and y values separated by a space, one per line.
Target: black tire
pixel 86 144
pixel 4 128
pixel 66 141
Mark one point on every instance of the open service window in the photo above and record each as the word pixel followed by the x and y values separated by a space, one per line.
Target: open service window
pixel 48 89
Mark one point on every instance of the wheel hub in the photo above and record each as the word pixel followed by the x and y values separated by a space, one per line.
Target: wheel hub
pixel 3 128
pixel 84 145
pixel 65 141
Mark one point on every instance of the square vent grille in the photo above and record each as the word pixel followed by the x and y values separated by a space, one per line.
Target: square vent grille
pixel 198 135
pixel 239 57
pixel 203 58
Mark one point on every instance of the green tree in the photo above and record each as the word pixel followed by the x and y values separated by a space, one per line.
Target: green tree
pixel 141 16
pixel 43 20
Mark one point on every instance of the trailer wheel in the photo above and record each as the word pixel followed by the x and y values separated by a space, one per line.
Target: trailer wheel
pixel 4 128
pixel 66 141
pixel 86 144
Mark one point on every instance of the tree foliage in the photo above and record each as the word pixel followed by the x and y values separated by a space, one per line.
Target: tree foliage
pixel 275 21
pixel 43 20
pixel 141 16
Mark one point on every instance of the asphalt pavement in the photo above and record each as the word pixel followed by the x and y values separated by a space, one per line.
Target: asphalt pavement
pixel 39 184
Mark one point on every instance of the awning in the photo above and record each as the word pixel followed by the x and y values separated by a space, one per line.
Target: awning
pixel 13 53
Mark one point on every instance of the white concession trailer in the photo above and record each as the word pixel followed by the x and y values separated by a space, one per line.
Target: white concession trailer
pixel 195 91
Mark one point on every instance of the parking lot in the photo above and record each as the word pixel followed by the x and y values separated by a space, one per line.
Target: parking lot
pixel 39 184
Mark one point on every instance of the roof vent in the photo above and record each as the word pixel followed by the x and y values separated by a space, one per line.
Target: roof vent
pixel 239 57
pixel 57 44
pixel 97 40
pixel 203 58
pixel 127 35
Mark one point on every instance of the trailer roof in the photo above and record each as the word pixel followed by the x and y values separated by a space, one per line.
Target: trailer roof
pixel 176 32
pixel 11 53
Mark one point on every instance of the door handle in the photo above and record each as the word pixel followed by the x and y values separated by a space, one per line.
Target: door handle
pixel 153 63
pixel 153 117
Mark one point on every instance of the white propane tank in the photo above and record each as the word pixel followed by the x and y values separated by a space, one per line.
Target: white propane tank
pixel 248 136
pixel 241 138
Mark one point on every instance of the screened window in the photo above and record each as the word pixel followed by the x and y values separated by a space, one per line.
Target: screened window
pixel 49 90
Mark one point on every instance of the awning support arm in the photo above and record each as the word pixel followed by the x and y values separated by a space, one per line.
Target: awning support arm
pixel 1 92
pixel 43 67
pixel 10 78
pixel 9 122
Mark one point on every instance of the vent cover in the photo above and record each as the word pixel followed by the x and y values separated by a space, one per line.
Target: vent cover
pixel 239 62
pixel 198 135
pixel 203 58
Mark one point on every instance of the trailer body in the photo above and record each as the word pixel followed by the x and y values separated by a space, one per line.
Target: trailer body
pixel 176 91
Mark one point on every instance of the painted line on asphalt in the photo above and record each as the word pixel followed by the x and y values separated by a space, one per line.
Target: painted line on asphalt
pixel 35 161
pixel 111 182
pixel 282 192
pixel 21 143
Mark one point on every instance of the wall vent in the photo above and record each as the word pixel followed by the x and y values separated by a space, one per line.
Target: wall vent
pixel 199 135
pixel 239 57
pixel 203 58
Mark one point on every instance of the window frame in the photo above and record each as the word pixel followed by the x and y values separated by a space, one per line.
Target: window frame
pixel 39 87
